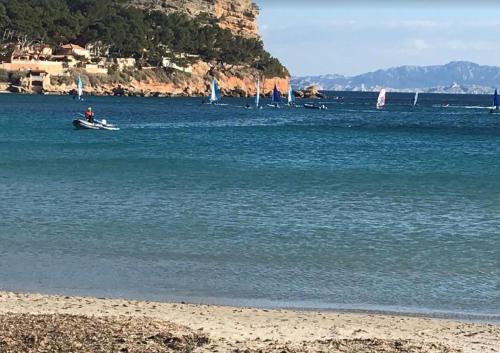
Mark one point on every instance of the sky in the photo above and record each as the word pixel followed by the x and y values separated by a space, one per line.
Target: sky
pixel 316 37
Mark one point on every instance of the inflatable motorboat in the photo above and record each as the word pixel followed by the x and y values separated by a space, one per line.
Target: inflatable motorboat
pixel 83 124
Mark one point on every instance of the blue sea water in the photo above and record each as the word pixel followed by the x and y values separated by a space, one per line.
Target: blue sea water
pixel 349 208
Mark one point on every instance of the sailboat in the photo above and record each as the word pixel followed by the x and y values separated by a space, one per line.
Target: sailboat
pixel 496 103
pixel 416 99
pixel 381 99
pixel 214 93
pixel 257 96
pixel 291 97
pixel 276 98
pixel 80 88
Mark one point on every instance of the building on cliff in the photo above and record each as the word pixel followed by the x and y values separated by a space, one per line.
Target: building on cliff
pixel 38 80
pixel 36 58
pixel 171 66
pixel 74 50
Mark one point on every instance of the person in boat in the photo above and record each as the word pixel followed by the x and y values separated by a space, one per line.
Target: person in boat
pixel 89 115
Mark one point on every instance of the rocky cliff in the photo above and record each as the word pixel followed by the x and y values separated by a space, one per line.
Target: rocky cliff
pixel 240 16
pixel 230 86
pixel 172 55
pixel 239 81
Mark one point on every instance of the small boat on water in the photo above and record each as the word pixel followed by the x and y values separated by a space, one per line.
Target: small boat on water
pixel 276 98
pixel 257 96
pixel 80 88
pixel 215 96
pixel 291 97
pixel 496 104
pixel 415 101
pixel 83 124
pixel 214 92
pixel 315 106
pixel 381 99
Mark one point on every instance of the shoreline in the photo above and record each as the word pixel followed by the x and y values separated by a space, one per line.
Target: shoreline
pixel 262 304
pixel 183 95
pixel 250 327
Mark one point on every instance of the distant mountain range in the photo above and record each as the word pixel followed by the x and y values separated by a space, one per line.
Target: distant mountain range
pixel 455 77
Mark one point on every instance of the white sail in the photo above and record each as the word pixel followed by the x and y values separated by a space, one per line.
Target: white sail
pixel 416 99
pixel 214 92
pixel 290 96
pixel 381 99
pixel 80 88
pixel 257 95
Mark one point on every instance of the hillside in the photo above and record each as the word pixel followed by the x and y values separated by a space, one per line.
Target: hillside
pixel 191 41
pixel 239 16
pixel 454 77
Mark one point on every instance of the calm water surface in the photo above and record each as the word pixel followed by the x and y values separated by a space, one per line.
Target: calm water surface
pixel 347 208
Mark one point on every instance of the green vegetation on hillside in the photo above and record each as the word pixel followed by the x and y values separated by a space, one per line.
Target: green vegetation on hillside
pixel 120 77
pixel 131 32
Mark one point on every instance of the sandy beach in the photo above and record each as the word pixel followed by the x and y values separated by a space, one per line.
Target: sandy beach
pixel 36 322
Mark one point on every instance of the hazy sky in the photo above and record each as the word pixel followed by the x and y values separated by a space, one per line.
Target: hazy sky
pixel 352 37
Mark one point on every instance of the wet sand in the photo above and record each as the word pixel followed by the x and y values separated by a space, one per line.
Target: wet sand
pixel 35 322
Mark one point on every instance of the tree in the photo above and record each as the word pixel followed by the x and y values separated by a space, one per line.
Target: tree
pixel 131 32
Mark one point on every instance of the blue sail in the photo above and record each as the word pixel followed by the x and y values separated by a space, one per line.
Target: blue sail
pixel 496 99
pixel 276 95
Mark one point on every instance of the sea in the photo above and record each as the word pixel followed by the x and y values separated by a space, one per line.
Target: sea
pixel 350 208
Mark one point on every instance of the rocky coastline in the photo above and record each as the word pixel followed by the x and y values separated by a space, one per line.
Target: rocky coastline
pixel 230 86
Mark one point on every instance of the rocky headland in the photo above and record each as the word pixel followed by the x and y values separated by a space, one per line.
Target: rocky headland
pixel 189 43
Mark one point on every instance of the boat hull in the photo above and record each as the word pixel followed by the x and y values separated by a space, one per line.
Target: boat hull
pixel 315 107
pixel 81 124
pixel 85 125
